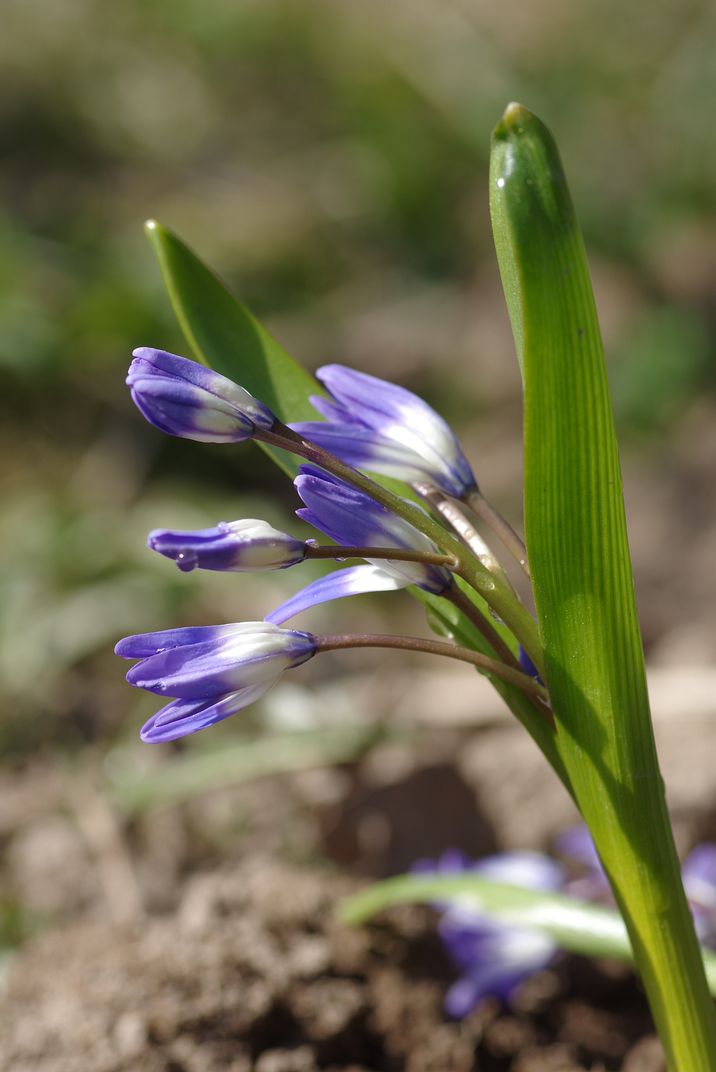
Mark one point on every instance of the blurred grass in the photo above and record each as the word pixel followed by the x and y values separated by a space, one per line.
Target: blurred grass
pixel 330 161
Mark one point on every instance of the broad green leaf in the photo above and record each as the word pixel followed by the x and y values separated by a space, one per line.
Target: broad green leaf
pixel 584 594
pixel 227 337
pixel 576 926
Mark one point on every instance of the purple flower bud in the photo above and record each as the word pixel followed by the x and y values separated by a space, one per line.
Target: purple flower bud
pixel 211 672
pixel 528 666
pixel 375 425
pixel 186 399
pixel 236 546
pixel 352 518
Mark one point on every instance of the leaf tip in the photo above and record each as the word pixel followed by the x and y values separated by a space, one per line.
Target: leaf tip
pixel 514 118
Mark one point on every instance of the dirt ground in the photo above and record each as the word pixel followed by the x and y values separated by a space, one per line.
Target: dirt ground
pixel 202 936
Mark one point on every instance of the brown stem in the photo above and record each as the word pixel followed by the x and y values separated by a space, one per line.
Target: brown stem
pixel 488 631
pixel 397 554
pixel 439 647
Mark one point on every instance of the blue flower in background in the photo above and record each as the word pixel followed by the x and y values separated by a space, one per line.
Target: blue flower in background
pixel 234 546
pixel 186 399
pixel 375 425
pixel 352 518
pixel 210 671
pixel 493 958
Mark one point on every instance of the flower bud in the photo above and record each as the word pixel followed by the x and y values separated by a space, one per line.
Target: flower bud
pixel 212 671
pixel 375 425
pixel 234 546
pixel 186 399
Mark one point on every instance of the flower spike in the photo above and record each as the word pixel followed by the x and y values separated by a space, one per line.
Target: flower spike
pixel 349 516
pixel 234 546
pixel 375 425
pixel 186 399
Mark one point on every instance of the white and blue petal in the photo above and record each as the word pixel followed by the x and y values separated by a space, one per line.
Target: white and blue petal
pixel 394 432
pixel 252 653
pixel 352 581
pixel 183 398
pixel 182 717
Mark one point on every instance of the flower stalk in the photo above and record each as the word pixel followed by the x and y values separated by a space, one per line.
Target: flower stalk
pixel 438 647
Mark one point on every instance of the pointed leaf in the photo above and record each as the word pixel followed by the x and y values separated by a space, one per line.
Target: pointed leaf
pixel 584 593
pixel 575 925
pixel 226 336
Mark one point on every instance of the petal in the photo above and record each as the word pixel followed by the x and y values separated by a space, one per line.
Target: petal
pixel 142 645
pixel 699 875
pixel 352 581
pixel 256 654
pixel 533 870
pixel 365 449
pixel 182 717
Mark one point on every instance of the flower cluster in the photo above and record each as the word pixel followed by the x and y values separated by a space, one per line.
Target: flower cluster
pixel 210 673
pixel 494 958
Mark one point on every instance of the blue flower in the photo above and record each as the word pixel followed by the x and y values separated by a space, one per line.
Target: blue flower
pixel 186 399
pixel 493 958
pixel 210 671
pixel 375 425
pixel 350 517
pixel 236 546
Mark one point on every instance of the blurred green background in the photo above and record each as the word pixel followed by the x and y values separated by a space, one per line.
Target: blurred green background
pixel 329 160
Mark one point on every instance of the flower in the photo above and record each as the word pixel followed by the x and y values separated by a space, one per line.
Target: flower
pixel 372 424
pixel 236 546
pixel 494 958
pixel 699 875
pixel 186 399
pixel 210 671
pixel 352 518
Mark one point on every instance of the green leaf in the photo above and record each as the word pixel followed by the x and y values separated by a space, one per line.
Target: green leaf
pixel 575 925
pixel 584 594
pixel 226 336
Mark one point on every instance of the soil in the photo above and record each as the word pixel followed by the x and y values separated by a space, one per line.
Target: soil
pixel 203 936
pixel 253 972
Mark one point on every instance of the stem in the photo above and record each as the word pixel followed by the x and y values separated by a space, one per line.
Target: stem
pixel 488 631
pixel 479 505
pixel 467 532
pixel 492 588
pixel 436 647
pixel 397 554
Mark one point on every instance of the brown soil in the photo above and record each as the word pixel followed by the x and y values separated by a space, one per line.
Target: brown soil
pixel 253 972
